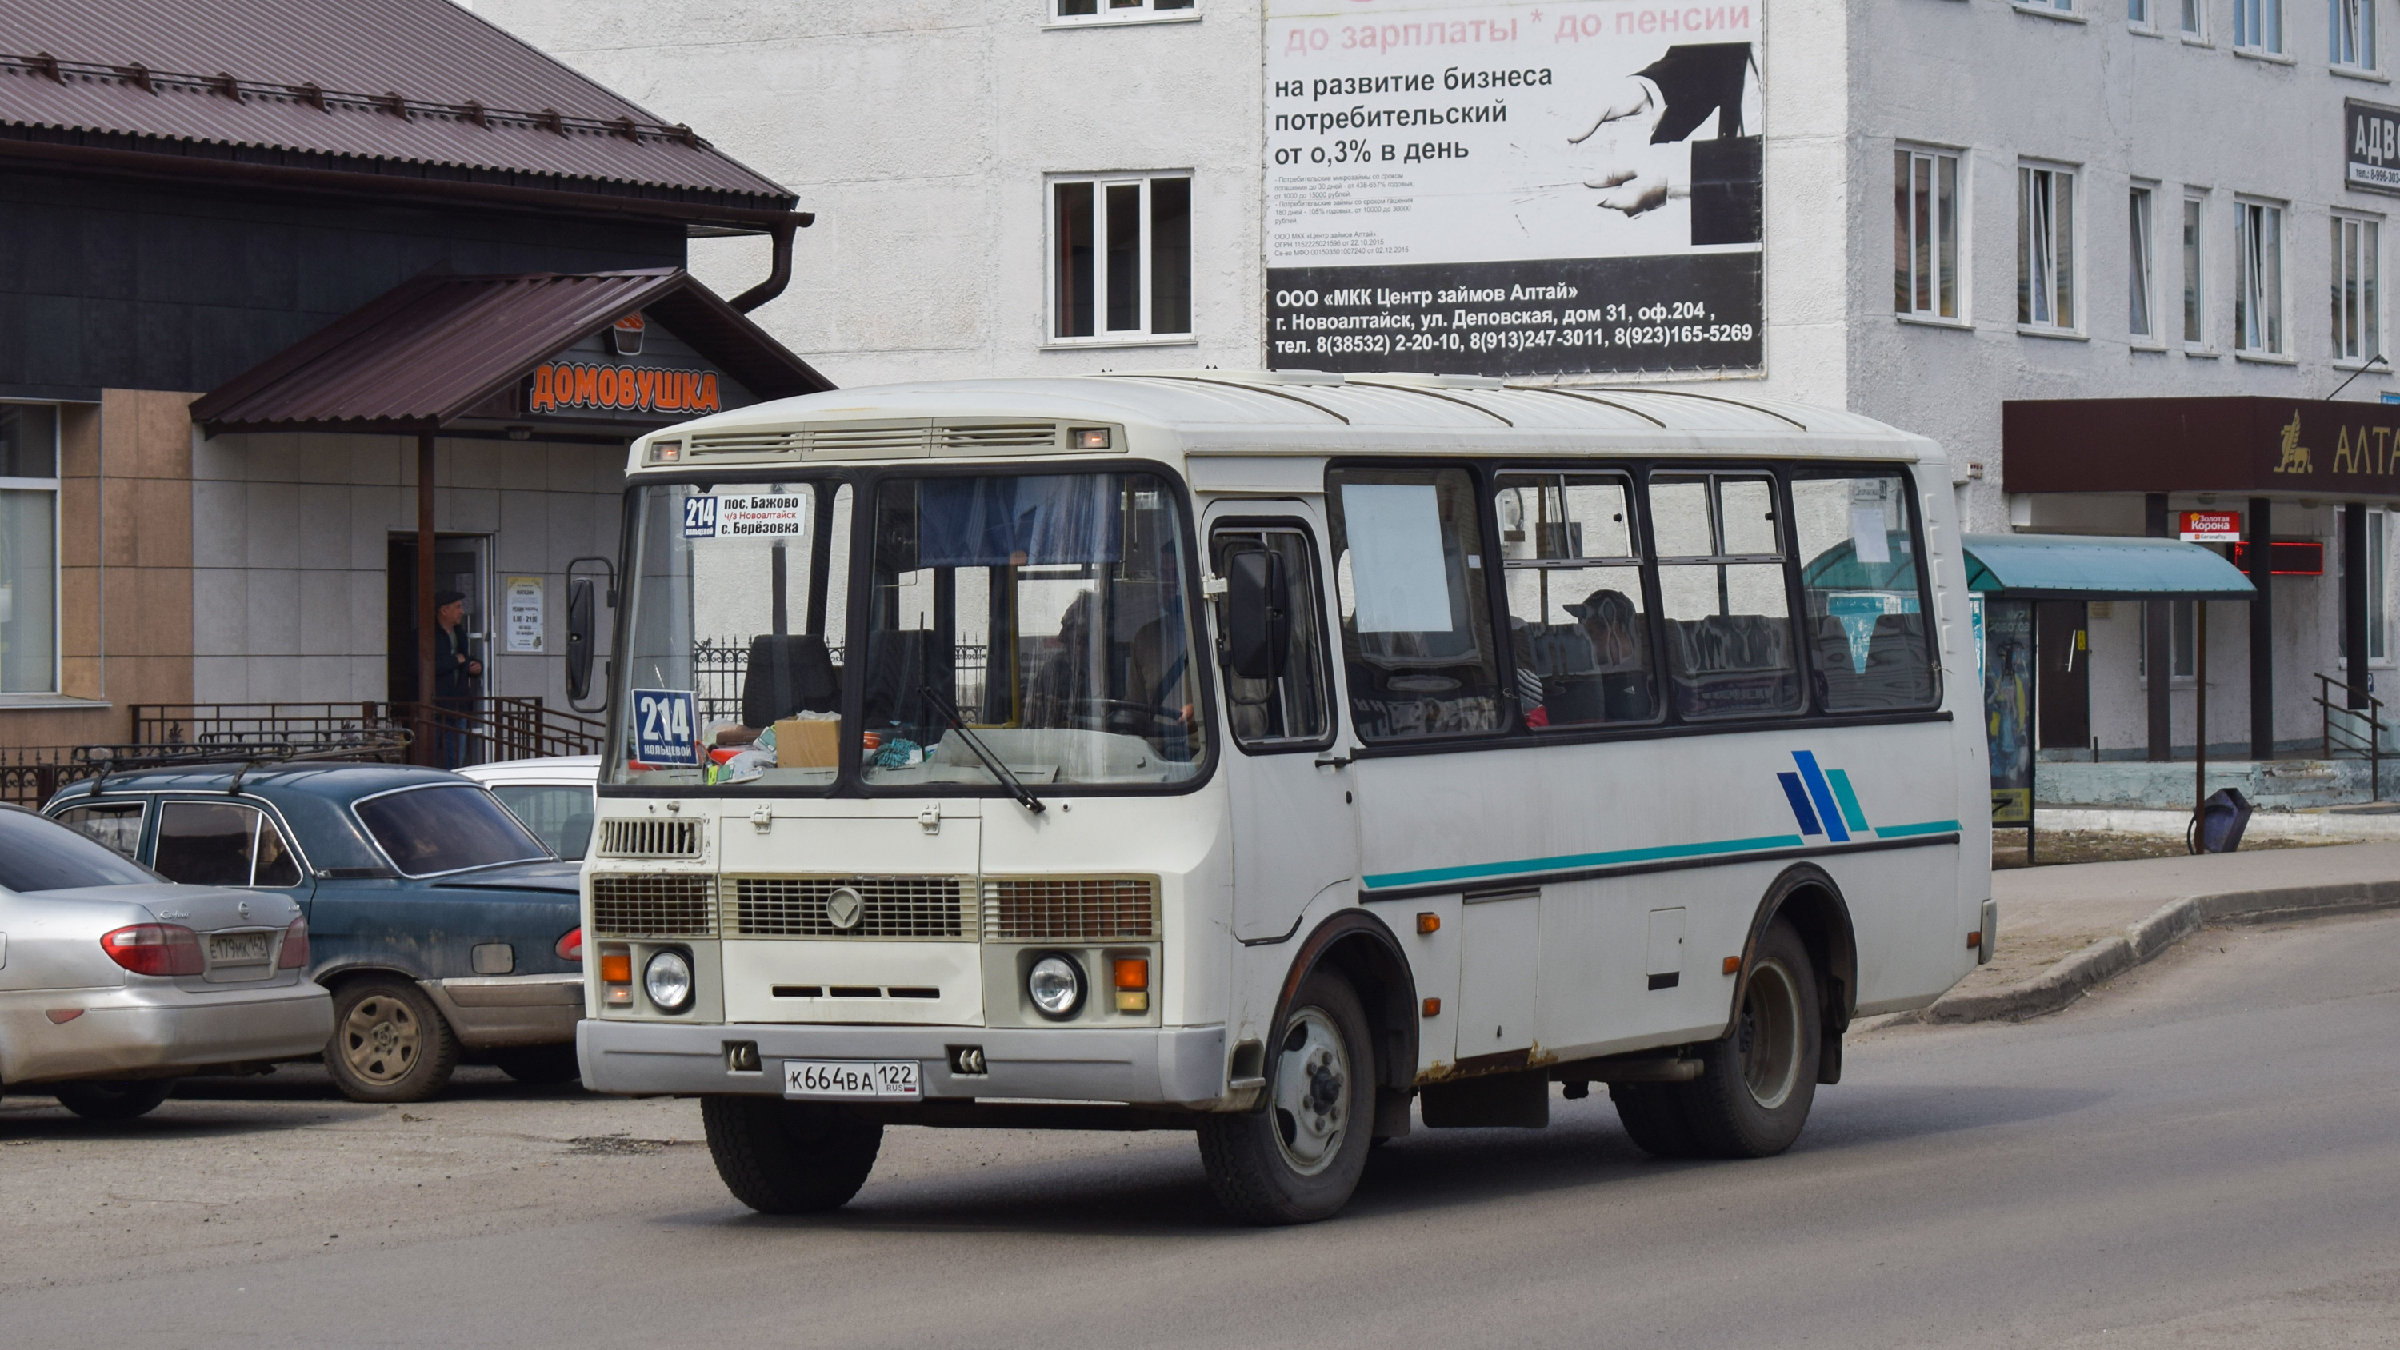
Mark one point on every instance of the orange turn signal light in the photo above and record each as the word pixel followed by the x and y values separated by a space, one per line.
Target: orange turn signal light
pixel 1975 939
pixel 1133 972
pixel 1429 923
pixel 616 966
pixel 1433 1007
pixel 1733 965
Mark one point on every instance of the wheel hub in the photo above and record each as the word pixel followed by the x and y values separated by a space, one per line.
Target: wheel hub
pixel 1312 1085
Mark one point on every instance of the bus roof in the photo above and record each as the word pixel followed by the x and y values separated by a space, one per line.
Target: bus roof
pixel 1172 415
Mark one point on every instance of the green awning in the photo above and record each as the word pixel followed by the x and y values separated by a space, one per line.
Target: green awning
pixel 2099 567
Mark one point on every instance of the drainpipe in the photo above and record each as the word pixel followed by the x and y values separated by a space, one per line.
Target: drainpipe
pixel 780 275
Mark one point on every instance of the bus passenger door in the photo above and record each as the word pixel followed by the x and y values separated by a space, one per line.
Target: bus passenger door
pixel 1294 834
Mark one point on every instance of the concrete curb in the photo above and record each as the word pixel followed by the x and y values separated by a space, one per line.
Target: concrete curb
pixel 2353 827
pixel 2145 941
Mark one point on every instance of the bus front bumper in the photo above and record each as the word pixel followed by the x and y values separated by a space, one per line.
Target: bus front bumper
pixel 1183 1066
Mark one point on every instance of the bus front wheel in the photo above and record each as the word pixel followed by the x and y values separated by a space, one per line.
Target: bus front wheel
pixel 1756 1085
pixel 1298 1160
pixel 782 1157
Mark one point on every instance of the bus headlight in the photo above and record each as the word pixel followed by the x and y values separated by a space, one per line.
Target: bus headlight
pixel 668 981
pixel 1055 984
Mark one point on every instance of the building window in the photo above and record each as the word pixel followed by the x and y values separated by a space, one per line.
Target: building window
pixel 2258 281
pixel 2195 20
pixel 2352 33
pixel 2046 248
pixel 2357 281
pixel 2258 26
pixel 1104 11
pixel 2138 291
pixel 1925 233
pixel 2378 542
pixel 2137 12
pixel 28 549
pixel 2183 646
pixel 2195 332
pixel 1121 257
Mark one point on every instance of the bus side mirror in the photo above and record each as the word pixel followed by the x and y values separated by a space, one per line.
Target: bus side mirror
pixel 579 639
pixel 1258 614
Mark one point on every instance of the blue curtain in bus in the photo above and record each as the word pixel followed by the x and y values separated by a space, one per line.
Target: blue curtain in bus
pixel 992 522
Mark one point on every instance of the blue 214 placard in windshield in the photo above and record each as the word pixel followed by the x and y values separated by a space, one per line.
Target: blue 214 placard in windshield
pixel 662 727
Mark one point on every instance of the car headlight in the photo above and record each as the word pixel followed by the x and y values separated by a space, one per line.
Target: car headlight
pixel 1055 984
pixel 668 981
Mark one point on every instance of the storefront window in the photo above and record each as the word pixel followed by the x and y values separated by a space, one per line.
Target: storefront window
pixel 28 549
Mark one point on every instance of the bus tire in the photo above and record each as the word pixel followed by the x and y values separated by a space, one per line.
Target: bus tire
pixel 1652 1114
pixel 1298 1160
pixel 782 1157
pixel 1756 1085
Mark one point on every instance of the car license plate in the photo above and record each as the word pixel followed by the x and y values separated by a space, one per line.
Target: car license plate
pixel 870 1080
pixel 237 949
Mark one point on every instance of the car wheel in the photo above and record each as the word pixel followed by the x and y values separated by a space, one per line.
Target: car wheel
pixel 1298 1160
pixel 114 1100
pixel 389 1042
pixel 782 1157
pixel 1756 1085
pixel 538 1065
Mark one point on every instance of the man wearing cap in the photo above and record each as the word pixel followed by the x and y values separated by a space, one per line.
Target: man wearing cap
pixel 457 676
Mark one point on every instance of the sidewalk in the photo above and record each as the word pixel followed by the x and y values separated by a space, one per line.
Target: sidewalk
pixel 2064 929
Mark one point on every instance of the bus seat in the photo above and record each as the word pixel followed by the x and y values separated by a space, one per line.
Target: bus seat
pixel 787 673
pixel 1897 674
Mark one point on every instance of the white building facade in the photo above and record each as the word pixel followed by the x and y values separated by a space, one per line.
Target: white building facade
pixel 1962 204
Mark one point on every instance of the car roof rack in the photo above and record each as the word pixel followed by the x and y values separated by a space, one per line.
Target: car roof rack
pixel 375 745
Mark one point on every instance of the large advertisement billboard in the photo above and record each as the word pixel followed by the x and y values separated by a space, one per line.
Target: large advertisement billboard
pixel 1504 188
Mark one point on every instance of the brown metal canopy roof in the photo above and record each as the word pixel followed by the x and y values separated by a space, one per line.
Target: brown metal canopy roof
pixel 2250 445
pixel 419 89
pixel 438 350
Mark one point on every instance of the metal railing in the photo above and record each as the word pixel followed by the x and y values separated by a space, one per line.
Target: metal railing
pixel 447 732
pixel 2351 733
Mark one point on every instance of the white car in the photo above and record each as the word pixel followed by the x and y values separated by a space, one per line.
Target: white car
pixel 114 982
pixel 552 796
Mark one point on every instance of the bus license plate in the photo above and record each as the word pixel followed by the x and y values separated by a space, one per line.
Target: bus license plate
pixel 870 1080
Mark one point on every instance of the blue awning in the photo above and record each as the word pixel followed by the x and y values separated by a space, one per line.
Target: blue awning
pixel 2099 567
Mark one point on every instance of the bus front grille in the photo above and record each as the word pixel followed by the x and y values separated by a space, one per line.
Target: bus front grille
pixel 866 907
pixel 651 906
pixel 1057 909
pixel 649 838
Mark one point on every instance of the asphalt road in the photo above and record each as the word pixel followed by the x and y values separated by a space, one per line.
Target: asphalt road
pixel 2204 1154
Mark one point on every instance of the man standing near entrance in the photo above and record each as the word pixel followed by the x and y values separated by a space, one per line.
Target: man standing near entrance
pixel 457 676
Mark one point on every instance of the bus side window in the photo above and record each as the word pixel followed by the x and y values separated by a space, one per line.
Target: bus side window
pixel 1416 618
pixel 1866 608
pixel 1575 617
pixel 1722 592
pixel 1296 710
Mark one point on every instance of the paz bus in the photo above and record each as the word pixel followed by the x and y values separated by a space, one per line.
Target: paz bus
pixel 1293 759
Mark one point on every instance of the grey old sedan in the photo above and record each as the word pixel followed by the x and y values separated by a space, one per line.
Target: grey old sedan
pixel 113 983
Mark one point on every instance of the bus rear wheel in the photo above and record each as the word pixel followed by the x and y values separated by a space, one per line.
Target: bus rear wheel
pixel 1298 1160
pixel 1756 1085
pixel 782 1157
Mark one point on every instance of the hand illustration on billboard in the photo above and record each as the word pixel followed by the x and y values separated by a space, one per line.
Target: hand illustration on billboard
pixel 1639 176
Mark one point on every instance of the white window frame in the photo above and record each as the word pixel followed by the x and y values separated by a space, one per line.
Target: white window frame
pixel 2050 9
pixel 2192 258
pixel 2048 250
pixel 2192 21
pixel 1103 336
pixel 2357 289
pixel 2350 37
pixel 2183 623
pixel 49 485
pixel 2142 16
pixel 1110 12
pixel 2261 298
pixel 1932 157
pixel 2259 29
pixel 2141 263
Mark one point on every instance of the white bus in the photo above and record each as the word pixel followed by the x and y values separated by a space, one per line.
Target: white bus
pixel 1255 754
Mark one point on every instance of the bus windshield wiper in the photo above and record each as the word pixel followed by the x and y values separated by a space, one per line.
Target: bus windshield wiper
pixel 1015 785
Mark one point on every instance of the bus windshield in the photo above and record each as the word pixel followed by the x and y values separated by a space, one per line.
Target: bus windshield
pixel 1046 614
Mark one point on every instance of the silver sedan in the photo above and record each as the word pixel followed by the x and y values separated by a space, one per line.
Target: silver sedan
pixel 113 983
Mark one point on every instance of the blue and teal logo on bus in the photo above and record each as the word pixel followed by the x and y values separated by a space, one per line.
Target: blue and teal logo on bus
pixel 1824 803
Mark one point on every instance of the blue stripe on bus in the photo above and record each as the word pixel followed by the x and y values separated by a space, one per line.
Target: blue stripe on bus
pixel 1798 797
pixel 1922 827
pixel 1822 794
pixel 1664 852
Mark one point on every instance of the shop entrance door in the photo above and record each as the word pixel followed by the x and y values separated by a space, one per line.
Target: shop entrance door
pixel 2065 686
pixel 461 562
